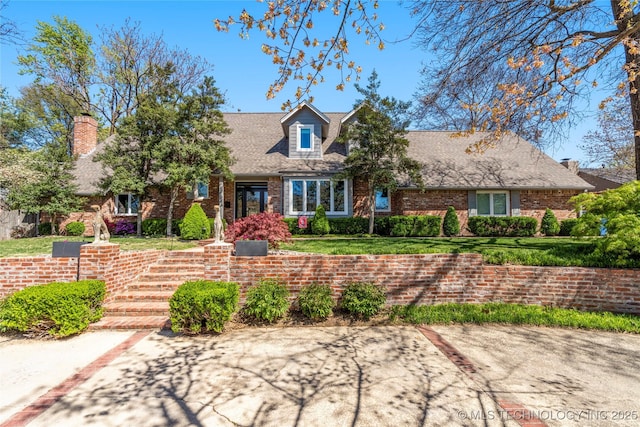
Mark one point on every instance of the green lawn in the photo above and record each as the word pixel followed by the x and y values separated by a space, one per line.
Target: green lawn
pixel 523 251
pixel 42 245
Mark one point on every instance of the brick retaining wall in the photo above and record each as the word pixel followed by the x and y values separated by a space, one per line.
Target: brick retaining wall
pixel 408 279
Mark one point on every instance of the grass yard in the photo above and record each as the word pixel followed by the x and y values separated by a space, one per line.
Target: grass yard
pixel 522 251
pixel 42 245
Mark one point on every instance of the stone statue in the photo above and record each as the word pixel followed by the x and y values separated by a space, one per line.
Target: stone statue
pixel 100 230
pixel 218 226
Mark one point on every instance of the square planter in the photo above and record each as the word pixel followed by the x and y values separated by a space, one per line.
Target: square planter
pixel 252 247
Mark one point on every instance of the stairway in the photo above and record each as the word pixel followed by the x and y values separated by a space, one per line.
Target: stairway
pixel 145 304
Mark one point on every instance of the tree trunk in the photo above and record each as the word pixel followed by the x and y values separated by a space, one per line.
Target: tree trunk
pixel 632 60
pixel 372 206
pixel 174 196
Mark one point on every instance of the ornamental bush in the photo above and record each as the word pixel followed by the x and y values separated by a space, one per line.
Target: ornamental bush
pixel 154 227
pixel 262 226
pixel 450 223
pixel 350 226
pixel 124 228
pixel 549 225
pixel 75 228
pixel 315 301
pixel 58 309
pixel 567 225
pixel 363 299
pixel 414 225
pixel 203 304
pixel 195 225
pixel 503 226
pixel 267 301
pixel 320 224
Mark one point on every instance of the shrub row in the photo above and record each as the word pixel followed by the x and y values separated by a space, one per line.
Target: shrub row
pixel 58 309
pixel 510 226
pixel 206 305
pixel 401 226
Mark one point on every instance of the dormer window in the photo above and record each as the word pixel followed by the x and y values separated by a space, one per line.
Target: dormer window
pixel 305 138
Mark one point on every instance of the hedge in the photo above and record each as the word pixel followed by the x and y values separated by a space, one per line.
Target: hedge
pixel 414 226
pixel 503 226
pixel 59 309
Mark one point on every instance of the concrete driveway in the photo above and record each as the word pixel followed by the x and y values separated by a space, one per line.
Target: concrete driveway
pixel 364 376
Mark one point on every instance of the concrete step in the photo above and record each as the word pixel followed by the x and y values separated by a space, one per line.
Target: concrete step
pixel 131 322
pixel 139 295
pixel 137 308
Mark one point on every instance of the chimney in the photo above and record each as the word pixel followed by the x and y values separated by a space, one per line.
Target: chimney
pixel 572 165
pixel 85 135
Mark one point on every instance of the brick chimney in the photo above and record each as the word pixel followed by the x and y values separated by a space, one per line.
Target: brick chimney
pixel 85 135
pixel 572 165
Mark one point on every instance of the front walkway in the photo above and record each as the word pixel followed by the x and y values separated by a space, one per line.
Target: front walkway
pixel 399 375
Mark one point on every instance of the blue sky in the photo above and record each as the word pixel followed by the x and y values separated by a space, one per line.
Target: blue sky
pixel 241 70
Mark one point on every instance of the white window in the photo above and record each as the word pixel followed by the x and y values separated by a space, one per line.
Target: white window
pixel 492 203
pixel 127 204
pixel 382 200
pixel 306 195
pixel 305 138
pixel 201 191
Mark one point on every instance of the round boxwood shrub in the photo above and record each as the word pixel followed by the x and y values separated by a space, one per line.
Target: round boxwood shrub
pixel 267 301
pixel 75 228
pixel 315 301
pixel 451 224
pixel 549 225
pixel 363 299
pixel 195 225
pixel 320 223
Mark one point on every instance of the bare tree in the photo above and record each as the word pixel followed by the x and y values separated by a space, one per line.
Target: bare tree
pixel 9 32
pixel 126 69
pixel 551 52
pixel 611 144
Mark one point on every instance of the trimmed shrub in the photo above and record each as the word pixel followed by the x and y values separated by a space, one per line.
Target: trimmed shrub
pixel 349 226
pixel 549 225
pixel 124 228
pixel 315 301
pixel 414 225
pixel 203 304
pixel 292 224
pixel 195 225
pixel 503 226
pixel 320 224
pixel 45 229
pixel 450 223
pixel 381 225
pixel 567 225
pixel 75 228
pixel 59 309
pixel 154 227
pixel 363 299
pixel 267 300
pixel 262 226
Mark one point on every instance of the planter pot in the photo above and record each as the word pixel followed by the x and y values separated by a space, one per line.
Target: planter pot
pixel 252 247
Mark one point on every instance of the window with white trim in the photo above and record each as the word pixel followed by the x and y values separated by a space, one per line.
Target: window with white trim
pixel 305 138
pixel 306 195
pixel 200 190
pixel 127 204
pixel 383 203
pixel 492 203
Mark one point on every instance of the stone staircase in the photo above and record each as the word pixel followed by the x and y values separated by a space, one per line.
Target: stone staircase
pixel 145 304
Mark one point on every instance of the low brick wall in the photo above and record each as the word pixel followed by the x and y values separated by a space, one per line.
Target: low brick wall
pixel 103 262
pixel 19 273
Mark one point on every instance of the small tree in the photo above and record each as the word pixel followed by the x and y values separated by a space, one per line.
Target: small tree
pixel 379 148
pixel 549 225
pixel 262 226
pixel 320 223
pixel 195 225
pixel 450 223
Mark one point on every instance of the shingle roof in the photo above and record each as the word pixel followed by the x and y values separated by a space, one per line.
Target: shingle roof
pixel 258 144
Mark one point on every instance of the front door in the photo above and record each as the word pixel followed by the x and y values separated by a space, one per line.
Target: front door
pixel 251 198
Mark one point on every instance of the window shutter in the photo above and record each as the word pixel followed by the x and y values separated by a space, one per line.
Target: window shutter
pixel 473 209
pixel 515 203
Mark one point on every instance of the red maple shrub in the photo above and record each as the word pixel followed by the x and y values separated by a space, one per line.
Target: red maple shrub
pixel 262 226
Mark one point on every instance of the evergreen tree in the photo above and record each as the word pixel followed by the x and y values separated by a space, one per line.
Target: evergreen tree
pixel 450 223
pixel 549 225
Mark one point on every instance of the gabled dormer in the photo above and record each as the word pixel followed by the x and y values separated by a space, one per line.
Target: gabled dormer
pixel 350 118
pixel 305 127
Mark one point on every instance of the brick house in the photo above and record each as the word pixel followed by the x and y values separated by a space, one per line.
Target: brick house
pixel 285 164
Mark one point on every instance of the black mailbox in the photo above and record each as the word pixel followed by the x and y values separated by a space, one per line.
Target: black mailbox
pixel 67 249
